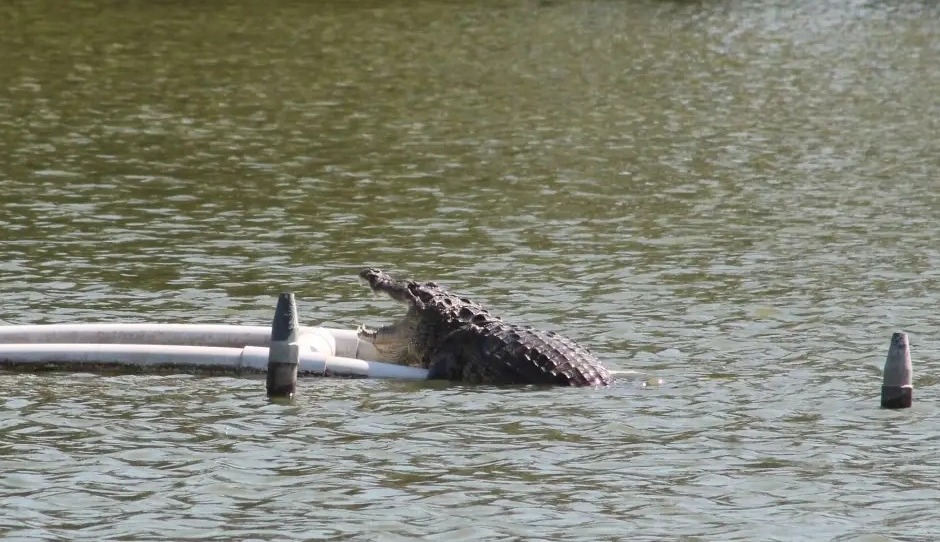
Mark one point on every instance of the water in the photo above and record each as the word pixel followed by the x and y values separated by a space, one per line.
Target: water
pixel 739 198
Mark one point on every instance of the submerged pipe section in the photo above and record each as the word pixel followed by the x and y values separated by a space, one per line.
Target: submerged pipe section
pixel 897 389
pixel 284 352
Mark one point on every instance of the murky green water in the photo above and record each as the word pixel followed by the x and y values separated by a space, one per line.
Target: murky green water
pixel 740 198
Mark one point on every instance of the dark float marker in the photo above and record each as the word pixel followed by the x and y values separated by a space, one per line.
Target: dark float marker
pixel 897 390
pixel 283 353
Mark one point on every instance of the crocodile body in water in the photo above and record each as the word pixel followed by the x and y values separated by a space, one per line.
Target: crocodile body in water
pixel 457 339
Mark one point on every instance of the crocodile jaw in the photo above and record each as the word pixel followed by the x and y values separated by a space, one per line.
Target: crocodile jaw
pixel 393 341
pixel 380 281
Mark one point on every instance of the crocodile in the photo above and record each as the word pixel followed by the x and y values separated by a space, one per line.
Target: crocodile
pixel 457 339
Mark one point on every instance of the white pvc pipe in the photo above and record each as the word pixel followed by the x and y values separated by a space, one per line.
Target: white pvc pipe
pixel 345 343
pixel 251 358
pixel 349 344
pixel 230 347
pixel 180 334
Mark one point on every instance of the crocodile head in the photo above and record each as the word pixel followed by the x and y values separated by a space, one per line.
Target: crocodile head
pixel 396 342
pixel 430 298
pixel 433 312
pixel 380 281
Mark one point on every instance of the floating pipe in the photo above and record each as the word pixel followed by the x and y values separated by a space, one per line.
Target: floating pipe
pixel 214 359
pixel 344 342
pixel 214 347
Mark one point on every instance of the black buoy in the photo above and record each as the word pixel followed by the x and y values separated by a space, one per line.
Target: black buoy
pixel 897 390
pixel 283 354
